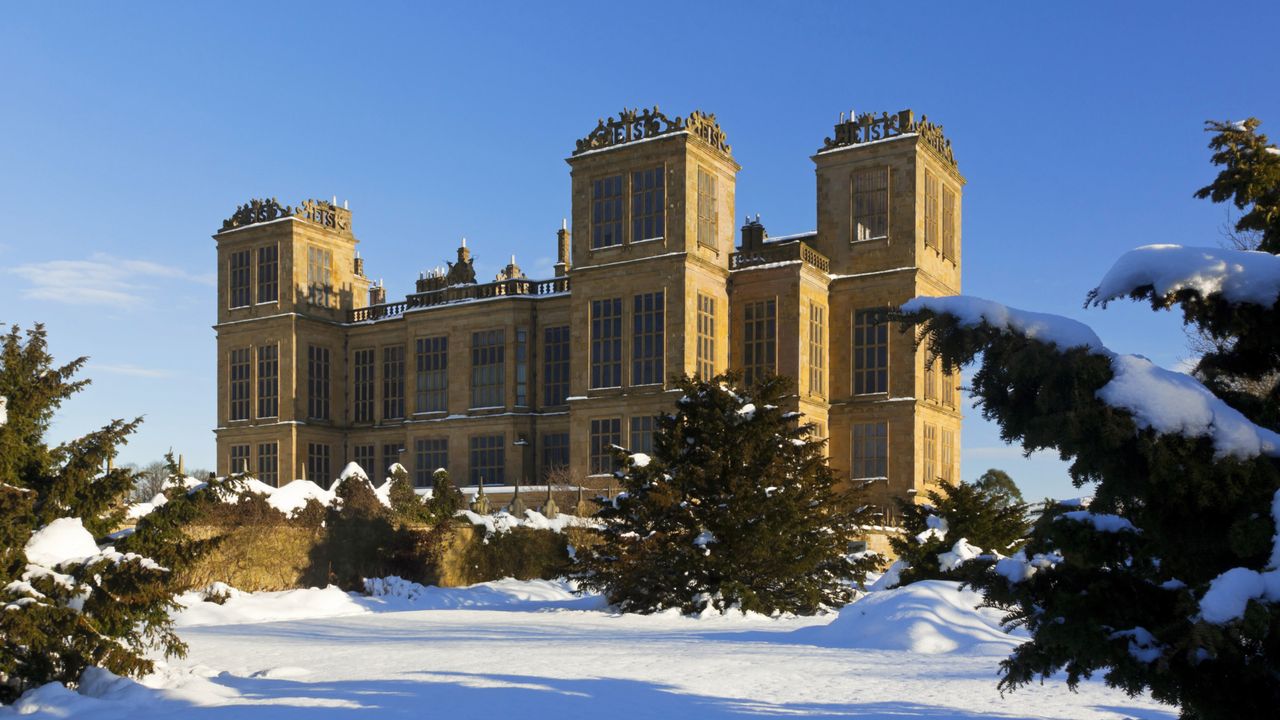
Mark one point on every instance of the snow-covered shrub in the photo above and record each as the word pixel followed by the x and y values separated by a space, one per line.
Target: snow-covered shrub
pixel 1169 582
pixel 735 508
pixel 937 536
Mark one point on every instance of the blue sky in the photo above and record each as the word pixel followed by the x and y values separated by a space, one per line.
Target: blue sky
pixel 131 130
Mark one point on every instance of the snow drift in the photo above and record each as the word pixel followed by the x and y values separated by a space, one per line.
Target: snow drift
pixel 929 617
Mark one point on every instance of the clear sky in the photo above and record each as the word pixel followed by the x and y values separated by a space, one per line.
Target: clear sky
pixel 130 130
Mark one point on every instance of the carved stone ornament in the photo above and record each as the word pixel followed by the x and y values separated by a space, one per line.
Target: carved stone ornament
pixel 462 272
pixel 257 211
pixel 704 126
pixel 320 212
pixel 867 128
pixel 631 125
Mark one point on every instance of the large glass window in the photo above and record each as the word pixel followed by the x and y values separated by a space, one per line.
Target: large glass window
pixel 362 386
pixel 707 212
pixel 269 463
pixel 948 460
pixel 948 223
pixel 318 466
pixel 555 451
pixel 647 201
pixel 429 455
pixel 949 389
pixel 555 365
pixel 706 365
pixel 871 203
pixel 930 377
pixel 319 276
pixel 268 274
pixel 433 374
pixel 522 367
pixel 931 210
pixel 817 350
pixel 930 468
pixel 268 381
pixel 366 456
pixel 870 451
pixel 239 458
pixel 606 343
pixel 646 342
pixel 488 460
pixel 317 382
pixel 239 271
pixel 642 428
pixel 870 352
pixel 606 212
pixel 760 340
pixel 393 382
pixel 605 433
pixel 239 386
pixel 488 368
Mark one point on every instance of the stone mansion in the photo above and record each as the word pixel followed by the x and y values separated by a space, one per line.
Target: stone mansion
pixel 509 379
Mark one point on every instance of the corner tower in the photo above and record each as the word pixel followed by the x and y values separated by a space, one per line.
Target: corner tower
pixel 889 198
pixel 652 214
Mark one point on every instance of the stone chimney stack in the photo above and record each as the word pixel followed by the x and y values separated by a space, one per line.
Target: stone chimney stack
pixel 562 249
pixel 753 235
pixel 377 294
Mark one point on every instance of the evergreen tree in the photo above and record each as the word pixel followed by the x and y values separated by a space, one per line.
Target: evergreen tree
pixel 446 499
pixel 736 508
pixel 405 503
pixel 66 604
pixel 961 520
pixel 998 483
pixel 1169 581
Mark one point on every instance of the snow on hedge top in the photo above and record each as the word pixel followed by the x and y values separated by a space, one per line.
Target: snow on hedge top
pixel 1165 401
pixel 973 311
pixel 60 541
pixel 1240 275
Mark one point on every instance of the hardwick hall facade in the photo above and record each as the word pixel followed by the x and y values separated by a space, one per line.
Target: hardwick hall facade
pixel 508 380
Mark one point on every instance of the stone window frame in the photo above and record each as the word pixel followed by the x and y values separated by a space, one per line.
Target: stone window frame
pixel 605 433
pixel 488 368
pixel 429 454
pixel 366 456
pixel 873 378
pixel 555 451
pixel 521 352
pixel 648 333
pixel 269 463
pixel 240 279
pixel 869 451
pixel 319 276
pixel 648 194
pixel 817 349
pixel 319 370
pixel 238 452
pixel 705 355
pixel 431 381
pixel 556 359
pixel 488 456
pixel 641 431
pixel 948 219
pixel 607 211
pixel 605 324
pixel 929 453
pixel 871 186
pixel 268 381
pixel 947 459
pixel 932 209
pixel 319 464
pixel 268 274
pixel 393 382
pixel 708 218
pixel 759 340
pixel 363 385
pixel 239 383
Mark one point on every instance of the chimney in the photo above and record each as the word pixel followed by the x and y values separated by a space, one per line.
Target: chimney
pixel 753 235
pixel 377 294
pixel 562 248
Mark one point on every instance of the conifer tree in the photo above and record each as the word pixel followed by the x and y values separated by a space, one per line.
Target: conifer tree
pixel 960 520
pixel 66 603
pixel 736 508
pixel 446 499
pixel 998 483
pixel 1169 580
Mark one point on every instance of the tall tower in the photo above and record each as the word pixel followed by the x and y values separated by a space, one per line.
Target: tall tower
pixel 889 198
pixel 286 277
pixel 652 209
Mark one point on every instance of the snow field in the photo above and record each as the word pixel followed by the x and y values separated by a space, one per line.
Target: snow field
pixel 525 650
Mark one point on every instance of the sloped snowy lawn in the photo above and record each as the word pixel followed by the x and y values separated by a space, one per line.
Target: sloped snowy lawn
pixel 534 650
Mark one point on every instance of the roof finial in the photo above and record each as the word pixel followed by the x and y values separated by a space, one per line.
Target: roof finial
pixel 564 223
pixel 464 242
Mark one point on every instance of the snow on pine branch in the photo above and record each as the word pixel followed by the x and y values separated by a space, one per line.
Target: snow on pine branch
pixel 1168 402
pixel 1241 276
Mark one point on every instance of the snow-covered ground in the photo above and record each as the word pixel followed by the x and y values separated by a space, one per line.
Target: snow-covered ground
pixel 533 650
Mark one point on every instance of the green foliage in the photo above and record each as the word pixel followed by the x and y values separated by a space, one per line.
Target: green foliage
pixel 105 610
pixel 446 499
pixel 1092 595
pixel 984 518
pixel 405 503
pixel 998 483
pixel 362 541
pixel 737 508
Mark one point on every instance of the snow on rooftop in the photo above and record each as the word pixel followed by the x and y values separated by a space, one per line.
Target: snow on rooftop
pixel 1241 276
pixel 1165 401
